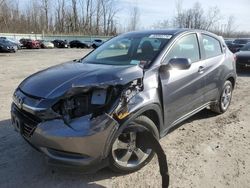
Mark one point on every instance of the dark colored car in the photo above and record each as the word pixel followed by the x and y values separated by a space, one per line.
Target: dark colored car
pixel 7 47
pixel 243 58
pixel 12 41
pixel 60 43
pixel 241 41
pixel 24 41
pixel 229 43
pixel 96 43
pixel 78 44
pixel 238 44
pixel 30 44
pixel 91 112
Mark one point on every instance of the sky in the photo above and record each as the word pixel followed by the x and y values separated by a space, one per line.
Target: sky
pixel 152 11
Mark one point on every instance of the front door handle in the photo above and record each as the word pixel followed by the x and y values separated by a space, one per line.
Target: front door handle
pixel 201 69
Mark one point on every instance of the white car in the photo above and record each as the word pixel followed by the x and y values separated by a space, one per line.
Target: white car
pixel 47 44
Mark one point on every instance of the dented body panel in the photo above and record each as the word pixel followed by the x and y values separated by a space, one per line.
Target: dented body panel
pixel 63 78
pixel 77 139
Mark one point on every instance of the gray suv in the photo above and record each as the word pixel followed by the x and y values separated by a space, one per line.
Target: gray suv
pixel 91 112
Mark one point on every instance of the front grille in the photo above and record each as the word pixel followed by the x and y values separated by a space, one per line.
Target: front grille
pixel 28 129
pixel 28 122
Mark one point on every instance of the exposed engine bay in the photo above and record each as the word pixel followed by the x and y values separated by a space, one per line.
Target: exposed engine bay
pixel 80 101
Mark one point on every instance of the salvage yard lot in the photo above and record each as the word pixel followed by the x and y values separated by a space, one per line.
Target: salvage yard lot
pixel 206 151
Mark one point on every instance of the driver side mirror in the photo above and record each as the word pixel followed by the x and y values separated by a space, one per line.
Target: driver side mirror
pixel 179 63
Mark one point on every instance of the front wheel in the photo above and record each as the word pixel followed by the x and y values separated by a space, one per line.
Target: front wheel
pixel 129 152
pixel 225 98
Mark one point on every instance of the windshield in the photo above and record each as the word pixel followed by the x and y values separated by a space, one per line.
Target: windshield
pixel 5 42
pixel 246 47
pixel 128 49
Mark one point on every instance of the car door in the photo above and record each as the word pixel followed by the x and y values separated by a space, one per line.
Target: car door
pixel 214 55
pixel 182 90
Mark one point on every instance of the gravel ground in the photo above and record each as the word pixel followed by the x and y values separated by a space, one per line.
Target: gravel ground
pixel 205 151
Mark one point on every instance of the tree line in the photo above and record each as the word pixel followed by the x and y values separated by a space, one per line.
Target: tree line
pixel 197 18
pixel 100 17
pixel 59 16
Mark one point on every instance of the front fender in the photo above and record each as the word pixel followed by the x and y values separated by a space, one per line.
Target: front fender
pixel 139 104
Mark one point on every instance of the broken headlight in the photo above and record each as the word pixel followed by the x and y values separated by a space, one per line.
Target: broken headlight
pixel 74 106
pixel 95 101
pixel 131 90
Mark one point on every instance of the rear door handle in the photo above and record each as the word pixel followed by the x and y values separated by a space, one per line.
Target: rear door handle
pixel 201 69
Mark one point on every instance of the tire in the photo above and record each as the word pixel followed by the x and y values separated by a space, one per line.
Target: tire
pixel 225 99
pixel 139 154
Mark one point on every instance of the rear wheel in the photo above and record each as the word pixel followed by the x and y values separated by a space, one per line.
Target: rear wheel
pixel 225 98
pixel 128 152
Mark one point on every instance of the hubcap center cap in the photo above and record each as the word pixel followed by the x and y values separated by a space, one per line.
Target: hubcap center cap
pixel 132 146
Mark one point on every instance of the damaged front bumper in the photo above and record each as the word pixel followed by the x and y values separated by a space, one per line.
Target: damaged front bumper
pixel 83 142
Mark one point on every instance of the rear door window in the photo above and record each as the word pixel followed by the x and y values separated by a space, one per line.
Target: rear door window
pixel 211 46
pixel 186 47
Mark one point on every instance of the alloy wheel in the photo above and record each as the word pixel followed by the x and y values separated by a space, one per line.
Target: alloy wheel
pixel 226 97
pixel 128 151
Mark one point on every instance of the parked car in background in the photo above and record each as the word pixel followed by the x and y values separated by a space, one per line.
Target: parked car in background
pixel 30 44
pixel 91 112
pixel 7 47
pixel 96 43
pixel 24 42
pixel 60 43
pixel 229 43
pixel 230 46
pixel 123 44
pixel 238 44
pixel 241 41
pixel 46 44
pixel 243 58
pixel 12 41
pixel 78 44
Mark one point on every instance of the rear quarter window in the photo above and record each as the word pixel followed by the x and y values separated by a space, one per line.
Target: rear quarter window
pixel 211 45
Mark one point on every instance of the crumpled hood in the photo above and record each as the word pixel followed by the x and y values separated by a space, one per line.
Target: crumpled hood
pixel 55 81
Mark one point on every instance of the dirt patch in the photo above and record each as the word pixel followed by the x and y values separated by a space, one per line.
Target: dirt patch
pixel 206 151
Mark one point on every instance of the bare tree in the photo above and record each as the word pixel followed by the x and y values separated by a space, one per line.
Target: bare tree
pixel 45 7
pixel 196 17
pixel 230 26
pixel 213 17
pixel 1 2
pixel 112 11
pixel 134 19
pixel 75 15
pixel 98 15
pixel 109 11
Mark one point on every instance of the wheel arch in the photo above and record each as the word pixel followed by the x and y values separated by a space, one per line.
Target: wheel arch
pixel 232 80
pixel 153 115
pixel 152 111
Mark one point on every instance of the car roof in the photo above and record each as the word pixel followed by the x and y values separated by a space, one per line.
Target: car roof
pixel 173 31
pixel 161 31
